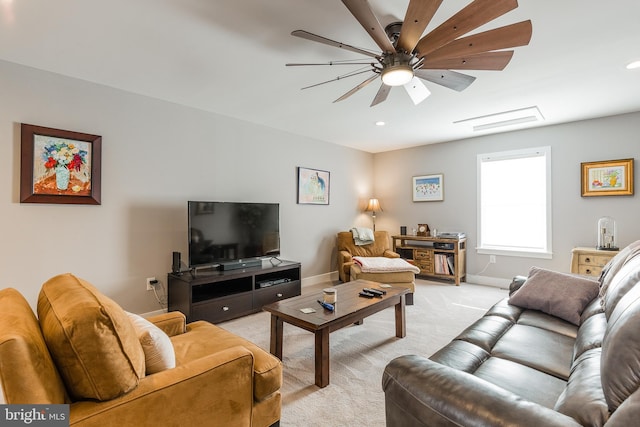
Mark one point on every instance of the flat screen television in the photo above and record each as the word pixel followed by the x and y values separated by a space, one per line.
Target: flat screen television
pixel 229 231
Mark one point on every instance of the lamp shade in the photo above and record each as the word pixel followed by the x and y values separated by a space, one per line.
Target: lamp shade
pixel 373 206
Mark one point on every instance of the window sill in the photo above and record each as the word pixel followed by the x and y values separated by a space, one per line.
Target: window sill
pixel 516 252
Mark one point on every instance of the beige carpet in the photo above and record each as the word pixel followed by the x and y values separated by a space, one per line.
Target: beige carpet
pixel 359 354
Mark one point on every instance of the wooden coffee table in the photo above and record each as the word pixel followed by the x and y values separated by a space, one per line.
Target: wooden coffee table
pixel 350 308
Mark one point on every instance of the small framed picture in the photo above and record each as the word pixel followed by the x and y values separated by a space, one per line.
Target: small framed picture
pixel 428 188
pixel 607 178
pixel 313 186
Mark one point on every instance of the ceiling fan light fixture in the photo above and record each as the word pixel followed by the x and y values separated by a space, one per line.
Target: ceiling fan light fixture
pixel 397 75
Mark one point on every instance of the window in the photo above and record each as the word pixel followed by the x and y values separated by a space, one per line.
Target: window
pixel 514 203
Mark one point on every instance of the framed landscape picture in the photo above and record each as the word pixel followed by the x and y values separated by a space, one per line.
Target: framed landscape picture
pixel 313 186
pixel 59 166
pixel 428 188
pixel 607 178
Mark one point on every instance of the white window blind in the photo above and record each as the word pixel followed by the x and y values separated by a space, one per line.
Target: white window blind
pixel 514 203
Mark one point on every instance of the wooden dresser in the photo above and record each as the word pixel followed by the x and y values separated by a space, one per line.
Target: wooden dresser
pixel 589 261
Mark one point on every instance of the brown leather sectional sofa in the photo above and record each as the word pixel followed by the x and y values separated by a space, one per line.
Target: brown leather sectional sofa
pixel 520 366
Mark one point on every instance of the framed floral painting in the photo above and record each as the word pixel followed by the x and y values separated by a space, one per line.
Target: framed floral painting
pixel 59 166
pixel 607 178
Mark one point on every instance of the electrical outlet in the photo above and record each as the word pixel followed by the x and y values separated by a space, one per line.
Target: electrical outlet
pixel 151 281
pixel 492 259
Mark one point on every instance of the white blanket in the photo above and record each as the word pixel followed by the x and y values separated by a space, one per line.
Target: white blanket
pixel 383 264
pixel 362 236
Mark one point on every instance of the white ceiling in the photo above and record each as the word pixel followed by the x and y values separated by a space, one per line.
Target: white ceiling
pixel 228 57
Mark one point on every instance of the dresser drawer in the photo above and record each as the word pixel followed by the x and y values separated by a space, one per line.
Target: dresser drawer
pixel 595 260
pixel 589 270
pixel 425 268
pixel 421 256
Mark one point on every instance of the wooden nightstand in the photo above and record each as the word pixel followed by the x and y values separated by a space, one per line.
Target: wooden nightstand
pixel 589 261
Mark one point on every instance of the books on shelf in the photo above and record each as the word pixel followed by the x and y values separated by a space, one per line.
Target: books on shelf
pixel 443 264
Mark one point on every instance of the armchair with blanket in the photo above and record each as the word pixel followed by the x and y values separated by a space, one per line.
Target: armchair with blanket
pixel 114 368
pixel 349 269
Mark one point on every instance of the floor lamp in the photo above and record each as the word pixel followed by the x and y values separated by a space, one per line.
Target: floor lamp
pixel 373 206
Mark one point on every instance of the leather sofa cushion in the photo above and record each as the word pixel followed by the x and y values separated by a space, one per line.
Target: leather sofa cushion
pixel 203 338
pixel 610 270
pixel 583 398
pixel 461 355
pixel 627 277
pixel 590 335
pixel 524 344
pixel 91 339
pixel 621 351
pixel 539 387
pixel 27 373
pixel 486 332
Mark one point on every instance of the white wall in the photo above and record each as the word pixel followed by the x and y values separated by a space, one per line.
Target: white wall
pixel 156 156
pixel 574 217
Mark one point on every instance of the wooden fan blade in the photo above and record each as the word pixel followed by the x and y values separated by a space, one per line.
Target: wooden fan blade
pixel 482 61
pixel 361 10
pixel 419 14
pixel 500 38
pixel 357 88
pixel 476 14
pixel 447 78
pixel 417 91
pixel 316 38
pixel 382 94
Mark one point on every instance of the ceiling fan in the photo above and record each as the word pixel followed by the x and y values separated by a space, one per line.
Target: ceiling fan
pixel 406 57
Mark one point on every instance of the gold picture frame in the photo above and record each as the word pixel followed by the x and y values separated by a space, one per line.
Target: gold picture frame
pixel 607 178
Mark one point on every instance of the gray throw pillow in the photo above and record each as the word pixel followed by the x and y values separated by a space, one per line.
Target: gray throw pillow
pixel 559 294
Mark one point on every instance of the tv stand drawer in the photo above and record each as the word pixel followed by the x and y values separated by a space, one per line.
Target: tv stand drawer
pixel 219 309
pixel 275 293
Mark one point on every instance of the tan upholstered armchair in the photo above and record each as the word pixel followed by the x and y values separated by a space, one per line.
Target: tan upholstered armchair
pixel 347 249
pixel 85 351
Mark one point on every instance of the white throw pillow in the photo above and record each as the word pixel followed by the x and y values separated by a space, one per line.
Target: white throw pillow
pixel 158 349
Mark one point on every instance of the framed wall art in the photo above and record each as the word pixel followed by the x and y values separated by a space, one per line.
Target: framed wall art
pixel 428 188
pixel 607 178
pixel 59 166
pixel 313 186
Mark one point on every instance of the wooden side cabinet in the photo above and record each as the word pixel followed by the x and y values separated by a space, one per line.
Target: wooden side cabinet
pixel 439 257
pixel 589 261
pixel 216 296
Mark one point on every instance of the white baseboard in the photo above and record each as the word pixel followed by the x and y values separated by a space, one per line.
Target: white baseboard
pixel 488 281
pixel 321 278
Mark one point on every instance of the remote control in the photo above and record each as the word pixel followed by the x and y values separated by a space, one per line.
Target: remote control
pixel 366 294
pixel 375 291
pixel 326 305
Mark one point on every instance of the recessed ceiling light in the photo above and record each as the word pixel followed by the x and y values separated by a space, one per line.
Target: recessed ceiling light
pixel 380 123
pixel 633 65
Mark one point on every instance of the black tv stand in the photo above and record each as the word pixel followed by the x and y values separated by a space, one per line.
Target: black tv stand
pixel 216 296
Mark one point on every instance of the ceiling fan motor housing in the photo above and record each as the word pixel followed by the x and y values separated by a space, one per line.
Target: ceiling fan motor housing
pixel 397 68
